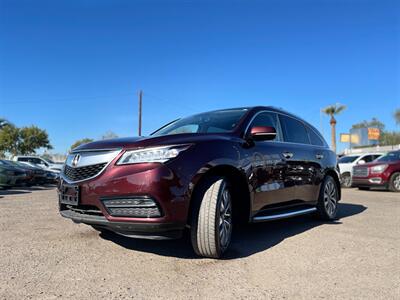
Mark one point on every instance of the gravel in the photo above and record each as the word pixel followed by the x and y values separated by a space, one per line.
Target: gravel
pixel 44 256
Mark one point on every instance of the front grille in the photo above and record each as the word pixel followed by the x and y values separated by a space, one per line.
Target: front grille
pixel 360 172
pixel 82 173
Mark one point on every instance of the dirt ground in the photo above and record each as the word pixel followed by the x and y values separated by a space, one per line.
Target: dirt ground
pixel 44 256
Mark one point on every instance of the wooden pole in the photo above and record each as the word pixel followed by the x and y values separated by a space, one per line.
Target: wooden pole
pixel 140 112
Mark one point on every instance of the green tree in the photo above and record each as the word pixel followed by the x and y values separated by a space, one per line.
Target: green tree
pixel 32 138
pixel 3 122
pixel 81 142
pixel 397 116
pixel 374 123
pixel 109 135
pixel 23 141
pixel 9 139
pixel 332 111
pixel 389 138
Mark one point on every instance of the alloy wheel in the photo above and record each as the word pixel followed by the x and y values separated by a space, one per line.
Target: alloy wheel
pixel 330 198
pixel 225 219
pixel 396 182
pixel 347 181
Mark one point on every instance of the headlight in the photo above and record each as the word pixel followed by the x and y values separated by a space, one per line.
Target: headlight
pixel 154 154
pixel 378 169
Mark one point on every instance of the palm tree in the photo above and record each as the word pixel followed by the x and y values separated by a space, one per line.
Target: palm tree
pixel 331 111
pixel 397 116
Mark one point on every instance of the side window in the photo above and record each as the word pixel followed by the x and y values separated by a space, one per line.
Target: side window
pixel 266 119
pixel 293 130
pixel 368 158
pixel 36 161
pixel 22 159
pixel 314 138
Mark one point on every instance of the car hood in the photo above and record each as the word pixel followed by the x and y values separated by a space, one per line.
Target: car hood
pixel 376 163
pixel 140 142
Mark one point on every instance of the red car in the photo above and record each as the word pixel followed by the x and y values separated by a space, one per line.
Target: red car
pixel 203 173
pixel 383 172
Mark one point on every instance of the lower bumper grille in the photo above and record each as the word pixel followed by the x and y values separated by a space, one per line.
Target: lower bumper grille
pixel 135 207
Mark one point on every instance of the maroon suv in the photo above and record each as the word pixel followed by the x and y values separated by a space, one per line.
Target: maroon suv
pixel 205 173
pixel 382 172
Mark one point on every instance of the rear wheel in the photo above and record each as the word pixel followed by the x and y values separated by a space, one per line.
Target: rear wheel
pixel 346 180
pixel 394 182
pixel 327 206
pixel 211 226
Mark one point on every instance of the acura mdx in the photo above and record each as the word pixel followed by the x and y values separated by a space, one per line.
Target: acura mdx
pixel 205 173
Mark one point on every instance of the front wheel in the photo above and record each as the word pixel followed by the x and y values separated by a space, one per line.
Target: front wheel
pixel 327 206
pixel 211 227
pixel 394 183
pixel 346 180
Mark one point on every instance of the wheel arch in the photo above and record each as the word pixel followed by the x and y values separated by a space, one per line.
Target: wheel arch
pixel 238 182
pixel 336 177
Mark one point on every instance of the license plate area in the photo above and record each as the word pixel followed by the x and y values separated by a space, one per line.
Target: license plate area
pixel 69 194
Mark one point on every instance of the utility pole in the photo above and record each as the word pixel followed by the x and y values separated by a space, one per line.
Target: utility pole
pixel 140 112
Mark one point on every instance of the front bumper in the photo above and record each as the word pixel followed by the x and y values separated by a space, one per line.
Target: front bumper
pixel 157 181
pixel 368 182
pixel 131 229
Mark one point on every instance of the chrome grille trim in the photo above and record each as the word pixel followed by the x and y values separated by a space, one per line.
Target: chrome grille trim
pixel 90 165
pixel 360 172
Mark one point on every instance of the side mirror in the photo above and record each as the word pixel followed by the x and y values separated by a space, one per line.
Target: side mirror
pixel 361 162
pixel 263 133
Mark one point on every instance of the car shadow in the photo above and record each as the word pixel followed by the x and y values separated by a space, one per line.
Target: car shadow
pixel 25 189
pixel 246 241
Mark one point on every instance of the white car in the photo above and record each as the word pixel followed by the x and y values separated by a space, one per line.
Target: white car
pixel 346 164
pixel 41 162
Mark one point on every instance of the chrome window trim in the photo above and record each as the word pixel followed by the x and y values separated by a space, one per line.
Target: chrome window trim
pixel 325 146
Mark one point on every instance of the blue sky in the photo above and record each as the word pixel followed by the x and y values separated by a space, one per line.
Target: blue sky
pixel 74 67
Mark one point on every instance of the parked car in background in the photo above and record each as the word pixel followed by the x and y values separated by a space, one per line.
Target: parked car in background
pixel 49 176
pixel 204 172
pixel 11 176
pixel 346 164
pixel 383 172
pixel 44 163
pixel 40 176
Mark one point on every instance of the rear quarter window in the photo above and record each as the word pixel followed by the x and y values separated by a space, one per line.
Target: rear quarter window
pixel 315 139
pixel 293 130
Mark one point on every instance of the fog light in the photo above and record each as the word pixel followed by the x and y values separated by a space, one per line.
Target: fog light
pixel 139 207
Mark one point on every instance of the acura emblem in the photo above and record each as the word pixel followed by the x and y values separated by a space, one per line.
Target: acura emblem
pixel 75 160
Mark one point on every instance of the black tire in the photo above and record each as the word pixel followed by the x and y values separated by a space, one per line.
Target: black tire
pixel 327 205
pixel 394 182
pixel 346 180
pixel 363 188
pixel 210 237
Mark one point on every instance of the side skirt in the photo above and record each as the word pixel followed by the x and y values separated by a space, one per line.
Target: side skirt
pixel 283 215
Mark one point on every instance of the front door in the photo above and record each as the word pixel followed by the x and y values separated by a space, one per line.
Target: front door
pixel 269 179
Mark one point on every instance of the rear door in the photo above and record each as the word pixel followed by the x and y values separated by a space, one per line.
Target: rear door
pixel 301 158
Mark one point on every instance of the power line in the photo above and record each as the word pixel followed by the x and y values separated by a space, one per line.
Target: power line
pixel 69 99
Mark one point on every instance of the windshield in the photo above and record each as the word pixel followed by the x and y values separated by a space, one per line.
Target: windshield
pixel 211 122
pixel 48 160
pixel 391 156
pixel 347 159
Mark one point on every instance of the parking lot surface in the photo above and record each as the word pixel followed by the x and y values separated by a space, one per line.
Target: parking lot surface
pixel 44 256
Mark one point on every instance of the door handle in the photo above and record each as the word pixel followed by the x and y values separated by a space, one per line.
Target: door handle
pixel 287 155
pixel 319 156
